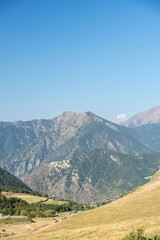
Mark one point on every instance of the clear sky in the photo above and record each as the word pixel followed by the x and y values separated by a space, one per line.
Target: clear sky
pixel 78 55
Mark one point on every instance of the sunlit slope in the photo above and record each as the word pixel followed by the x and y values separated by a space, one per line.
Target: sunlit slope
pixel 26 197
pixel 112 221
pixel 149 116
pixel 31 198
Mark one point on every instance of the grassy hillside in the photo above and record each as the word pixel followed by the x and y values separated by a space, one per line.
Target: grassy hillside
pixel 112 221
pixel 26 197
pixel 19 226
pixel 32 199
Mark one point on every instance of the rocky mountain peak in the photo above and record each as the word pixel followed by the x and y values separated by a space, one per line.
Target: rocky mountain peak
pixel 69 118
pixel 147 117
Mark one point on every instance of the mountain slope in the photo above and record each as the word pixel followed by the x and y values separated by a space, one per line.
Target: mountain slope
pixel 147 117
pixel 94 176
pixel 149 135
pixel 112 221
pixel 25 146
pixel 32 151
pixel 7 179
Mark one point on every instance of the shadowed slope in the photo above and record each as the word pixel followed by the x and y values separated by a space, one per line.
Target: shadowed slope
pixel 7 179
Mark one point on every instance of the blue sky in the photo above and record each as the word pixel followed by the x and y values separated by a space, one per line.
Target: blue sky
pixel 85 55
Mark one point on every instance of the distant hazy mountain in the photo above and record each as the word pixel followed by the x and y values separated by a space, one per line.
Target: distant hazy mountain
pixel 149 135
pixel 94 176
pixel 147 117
pixel 7 179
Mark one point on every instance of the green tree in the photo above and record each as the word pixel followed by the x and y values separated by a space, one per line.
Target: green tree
pixel 45 195
pixel 24 213
pixel 50 213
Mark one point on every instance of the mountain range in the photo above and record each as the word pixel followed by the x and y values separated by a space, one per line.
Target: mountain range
pixel 61 156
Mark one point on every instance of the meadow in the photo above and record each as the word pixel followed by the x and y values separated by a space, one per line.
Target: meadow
pixel 31 198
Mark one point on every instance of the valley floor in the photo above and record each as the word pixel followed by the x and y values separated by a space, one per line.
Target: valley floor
pixel 45 230
pixel 19 227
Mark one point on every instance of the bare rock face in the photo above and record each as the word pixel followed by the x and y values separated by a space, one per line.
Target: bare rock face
pixel 147 117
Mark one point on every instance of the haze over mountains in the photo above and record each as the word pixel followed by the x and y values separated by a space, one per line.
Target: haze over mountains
pixel 62 156
pixel 147 117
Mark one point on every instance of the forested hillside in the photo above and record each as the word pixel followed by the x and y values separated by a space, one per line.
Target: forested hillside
pixel 7 179
pixel 95 176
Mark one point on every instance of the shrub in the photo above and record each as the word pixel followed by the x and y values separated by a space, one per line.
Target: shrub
pixel 40 214
pixel 139 235
pixel 45 195
pixel 49 213
pixel 24 213
pixel 33 214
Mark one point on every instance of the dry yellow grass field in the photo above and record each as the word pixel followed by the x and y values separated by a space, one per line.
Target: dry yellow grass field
pixel 51 201
pixel 27 197
pixel 31 198
pixel 21 227
pixel 112 221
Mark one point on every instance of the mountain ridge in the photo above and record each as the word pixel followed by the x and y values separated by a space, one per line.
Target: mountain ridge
pixel 149 116
pixel 69 133
pixel 31 146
